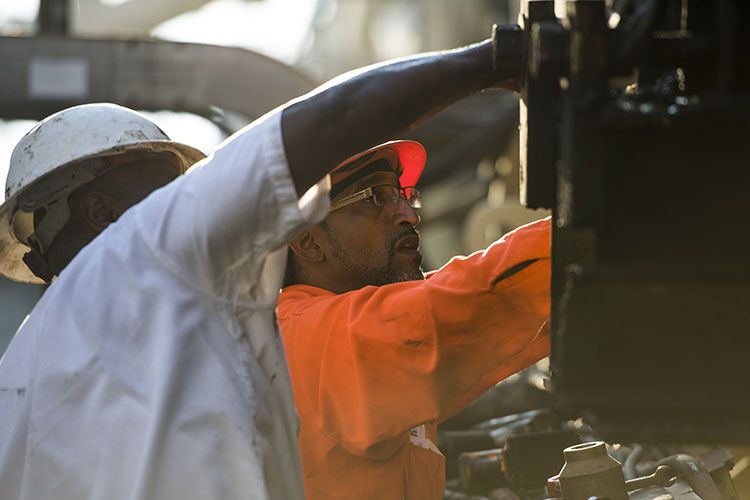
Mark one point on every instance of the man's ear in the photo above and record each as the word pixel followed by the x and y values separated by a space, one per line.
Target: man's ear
pixel 306 248
pixel 99 210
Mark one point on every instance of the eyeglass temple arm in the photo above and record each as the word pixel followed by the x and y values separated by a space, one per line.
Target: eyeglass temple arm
pixel 352 198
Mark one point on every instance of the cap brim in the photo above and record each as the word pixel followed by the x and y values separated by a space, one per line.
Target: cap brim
pixel 411 155
pixel 12 251
pixel 187 155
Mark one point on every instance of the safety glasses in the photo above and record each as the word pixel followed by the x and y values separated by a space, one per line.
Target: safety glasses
pixel 382 195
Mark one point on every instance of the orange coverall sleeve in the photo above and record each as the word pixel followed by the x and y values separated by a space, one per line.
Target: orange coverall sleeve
pixel 373 363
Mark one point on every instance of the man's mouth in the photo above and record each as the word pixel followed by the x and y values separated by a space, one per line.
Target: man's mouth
pixel 408 244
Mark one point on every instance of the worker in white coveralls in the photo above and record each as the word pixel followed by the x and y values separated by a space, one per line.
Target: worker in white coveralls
pixel 152 367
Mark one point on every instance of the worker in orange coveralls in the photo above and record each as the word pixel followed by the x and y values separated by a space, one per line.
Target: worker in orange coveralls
pixel 379 353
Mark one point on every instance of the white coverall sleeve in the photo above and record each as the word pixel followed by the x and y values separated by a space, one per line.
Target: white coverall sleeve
pixel 215 226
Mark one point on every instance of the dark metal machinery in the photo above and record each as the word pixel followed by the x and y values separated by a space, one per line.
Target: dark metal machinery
pixel 635 131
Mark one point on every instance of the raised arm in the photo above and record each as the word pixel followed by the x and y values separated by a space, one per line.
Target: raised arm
pixel 373 104
pixel 216 225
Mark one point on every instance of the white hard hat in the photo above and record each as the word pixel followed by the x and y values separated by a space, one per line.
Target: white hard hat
pixel 45 167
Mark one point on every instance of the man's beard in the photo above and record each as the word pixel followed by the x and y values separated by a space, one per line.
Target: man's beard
pixel 388 274
pixel 371 274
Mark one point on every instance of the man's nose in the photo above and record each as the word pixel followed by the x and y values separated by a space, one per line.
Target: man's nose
pixel 406 214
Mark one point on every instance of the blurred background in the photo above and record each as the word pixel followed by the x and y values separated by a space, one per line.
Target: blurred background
pixel 202 69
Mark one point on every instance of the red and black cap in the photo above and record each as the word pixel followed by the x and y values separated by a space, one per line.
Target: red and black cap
pixel 406 158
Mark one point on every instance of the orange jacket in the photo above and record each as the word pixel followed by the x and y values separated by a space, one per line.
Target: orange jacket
pixel 374 370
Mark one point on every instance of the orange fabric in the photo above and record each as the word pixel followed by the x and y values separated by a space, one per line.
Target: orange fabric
pixel 370 365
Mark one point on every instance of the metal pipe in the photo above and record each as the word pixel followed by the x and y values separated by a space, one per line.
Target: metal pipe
pixel 696 475
pixel 632 459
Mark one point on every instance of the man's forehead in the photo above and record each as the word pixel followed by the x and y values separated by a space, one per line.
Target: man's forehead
pixel 374 179
pixel 383 162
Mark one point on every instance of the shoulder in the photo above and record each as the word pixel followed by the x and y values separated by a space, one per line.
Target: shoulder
pixel 295 299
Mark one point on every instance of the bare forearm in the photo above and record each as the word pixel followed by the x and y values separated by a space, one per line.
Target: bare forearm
pixel 372 105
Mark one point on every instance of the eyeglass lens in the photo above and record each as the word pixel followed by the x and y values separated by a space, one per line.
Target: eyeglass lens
pixel 387 194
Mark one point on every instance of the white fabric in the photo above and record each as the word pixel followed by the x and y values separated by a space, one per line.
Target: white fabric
pixel 152 368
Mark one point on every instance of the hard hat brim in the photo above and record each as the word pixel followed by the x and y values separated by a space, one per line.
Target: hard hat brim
pixel 12 250
pixel 411 155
